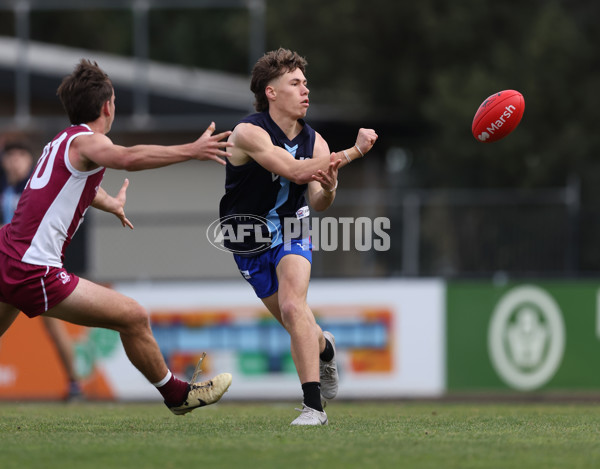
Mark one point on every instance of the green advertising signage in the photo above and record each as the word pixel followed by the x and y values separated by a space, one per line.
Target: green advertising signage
pixel 525 337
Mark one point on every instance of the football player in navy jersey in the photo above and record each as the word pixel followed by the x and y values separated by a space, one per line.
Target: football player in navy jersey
pixel 64 184
pixel 278 168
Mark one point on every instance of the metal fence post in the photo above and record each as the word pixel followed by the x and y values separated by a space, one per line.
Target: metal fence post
pixel 22 92
pixel 573 203
pixel 411 216
pixel 141 108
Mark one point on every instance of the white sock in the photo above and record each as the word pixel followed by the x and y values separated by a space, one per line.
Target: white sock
pixel 164 381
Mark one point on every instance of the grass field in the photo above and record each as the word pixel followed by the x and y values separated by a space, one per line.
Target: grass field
pixel 239 435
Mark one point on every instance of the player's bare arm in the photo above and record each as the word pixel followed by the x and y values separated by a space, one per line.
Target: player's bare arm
pixel 321 190
pixel 115 205
pixel 253 142
pixel 90 151
pixel 365 140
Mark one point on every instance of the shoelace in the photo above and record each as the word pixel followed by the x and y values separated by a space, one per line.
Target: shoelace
pixel 306 412
pixel 198 369
pixel 305 408
pixel 328 369
pixel 206 385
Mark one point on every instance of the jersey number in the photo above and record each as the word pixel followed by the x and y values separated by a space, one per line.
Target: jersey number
pixel 38 181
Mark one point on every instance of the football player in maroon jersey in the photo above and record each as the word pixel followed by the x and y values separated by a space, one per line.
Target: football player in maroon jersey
pixel 64 183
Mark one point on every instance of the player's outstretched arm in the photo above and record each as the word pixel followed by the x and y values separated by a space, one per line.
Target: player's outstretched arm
pixel 89 151
pixel 114 205
pixel 324 172
pixel 365 140
pixel 212 147
pixel 322 189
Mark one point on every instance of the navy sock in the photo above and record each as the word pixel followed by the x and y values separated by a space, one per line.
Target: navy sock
pixel 327 354
pixel 312 395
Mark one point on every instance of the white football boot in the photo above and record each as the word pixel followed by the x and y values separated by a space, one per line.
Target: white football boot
pixel 310 416
pixel 202 393
pixel 328 373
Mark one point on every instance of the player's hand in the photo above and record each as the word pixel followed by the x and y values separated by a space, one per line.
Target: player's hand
pixel 119 211
pixel 328 179
pixel 212 147
pixel 366 139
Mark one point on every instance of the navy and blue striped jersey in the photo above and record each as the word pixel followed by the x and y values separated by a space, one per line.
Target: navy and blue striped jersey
pixel 253 194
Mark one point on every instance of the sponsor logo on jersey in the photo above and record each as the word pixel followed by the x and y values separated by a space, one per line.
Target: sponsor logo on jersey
pixel 302 212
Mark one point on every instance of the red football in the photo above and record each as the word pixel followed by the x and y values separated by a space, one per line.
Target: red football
pixel 498 116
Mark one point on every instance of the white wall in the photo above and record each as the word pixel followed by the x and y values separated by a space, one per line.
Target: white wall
pixel 171 209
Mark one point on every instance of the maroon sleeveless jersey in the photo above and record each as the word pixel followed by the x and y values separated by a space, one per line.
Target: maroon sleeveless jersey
pixel 52 205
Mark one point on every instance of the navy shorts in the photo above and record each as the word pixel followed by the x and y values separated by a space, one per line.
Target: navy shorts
pixel 260 270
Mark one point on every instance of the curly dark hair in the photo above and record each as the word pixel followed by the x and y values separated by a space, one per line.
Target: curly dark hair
pixel 270 66
pixel 83 92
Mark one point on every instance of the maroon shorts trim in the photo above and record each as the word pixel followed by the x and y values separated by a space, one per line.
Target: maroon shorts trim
pixel 34 289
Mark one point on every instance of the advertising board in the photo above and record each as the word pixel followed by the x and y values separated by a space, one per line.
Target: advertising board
pixel 523 337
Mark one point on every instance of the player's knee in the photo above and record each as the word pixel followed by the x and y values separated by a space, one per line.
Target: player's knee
pixel 288 308
pixel 137 317
pixel 292 313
